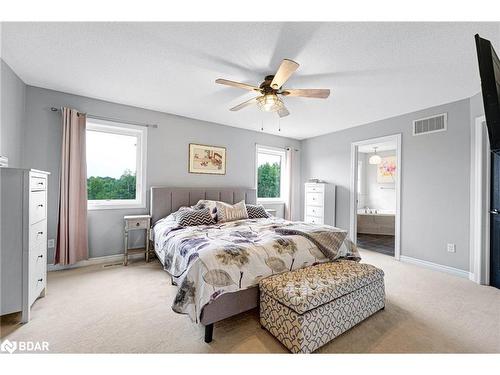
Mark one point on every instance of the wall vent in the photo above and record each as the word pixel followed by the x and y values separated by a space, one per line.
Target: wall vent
pixel 431 124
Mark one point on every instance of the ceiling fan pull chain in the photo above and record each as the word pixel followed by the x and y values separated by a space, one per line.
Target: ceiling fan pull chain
pixel 279 124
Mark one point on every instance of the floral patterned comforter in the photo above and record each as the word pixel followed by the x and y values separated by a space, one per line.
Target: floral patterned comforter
pixel 207 261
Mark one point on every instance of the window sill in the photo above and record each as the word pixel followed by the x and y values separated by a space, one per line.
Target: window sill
pixel 116 207
pixel 270 201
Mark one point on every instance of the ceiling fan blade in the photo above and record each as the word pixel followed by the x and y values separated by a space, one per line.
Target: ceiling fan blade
pixel 307 93
pixel 283 112
pixel 236 84
pixel 244 104
pixel 284 72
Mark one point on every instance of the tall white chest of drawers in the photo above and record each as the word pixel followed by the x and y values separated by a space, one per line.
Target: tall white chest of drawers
pixel 23 239
pixel 319 205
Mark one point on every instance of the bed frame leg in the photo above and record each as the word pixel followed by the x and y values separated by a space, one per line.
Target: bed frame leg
pixel 209 332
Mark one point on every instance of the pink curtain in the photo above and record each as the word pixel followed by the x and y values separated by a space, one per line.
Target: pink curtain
pixel 72 241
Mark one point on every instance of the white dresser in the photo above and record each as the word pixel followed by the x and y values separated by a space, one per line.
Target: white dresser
pixel 23 239
pixel 319 207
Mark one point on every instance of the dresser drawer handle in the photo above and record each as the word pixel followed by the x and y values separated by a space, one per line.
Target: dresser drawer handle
pixel 40 256
pixel 137 224
pixel 40 280
pixel 40 205
pixel 40 233
pixel 40 183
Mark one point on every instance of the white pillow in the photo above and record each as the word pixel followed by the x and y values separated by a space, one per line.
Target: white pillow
pixel 227 212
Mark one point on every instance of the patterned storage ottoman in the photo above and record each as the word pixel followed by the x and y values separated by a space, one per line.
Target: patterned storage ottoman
pixel 307 308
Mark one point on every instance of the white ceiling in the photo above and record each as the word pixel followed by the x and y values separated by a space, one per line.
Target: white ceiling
pixel 375 70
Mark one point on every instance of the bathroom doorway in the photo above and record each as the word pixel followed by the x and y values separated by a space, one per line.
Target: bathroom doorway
pixel 375 194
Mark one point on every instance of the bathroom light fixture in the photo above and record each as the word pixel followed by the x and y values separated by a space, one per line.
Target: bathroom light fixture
pixel 375 159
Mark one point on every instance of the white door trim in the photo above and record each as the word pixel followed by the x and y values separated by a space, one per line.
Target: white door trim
pixel 354 191
pixel 479 204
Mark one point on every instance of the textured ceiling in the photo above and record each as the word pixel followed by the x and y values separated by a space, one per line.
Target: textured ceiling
pixel 375 70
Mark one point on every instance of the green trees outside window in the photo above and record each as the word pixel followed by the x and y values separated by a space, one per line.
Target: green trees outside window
pixel 103 188
pixel 268 180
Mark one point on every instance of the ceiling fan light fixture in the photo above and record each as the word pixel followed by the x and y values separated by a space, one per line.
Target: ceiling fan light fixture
pixel 269 103
pixel 271 90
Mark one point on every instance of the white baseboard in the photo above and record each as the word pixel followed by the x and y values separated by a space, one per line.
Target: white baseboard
pixel 436 267
pixel 118 258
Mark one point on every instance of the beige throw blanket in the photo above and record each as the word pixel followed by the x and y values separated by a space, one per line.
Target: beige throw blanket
pixel 332 242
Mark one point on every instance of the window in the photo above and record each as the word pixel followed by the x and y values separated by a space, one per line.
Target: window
pixel 270 173
pixel 116 157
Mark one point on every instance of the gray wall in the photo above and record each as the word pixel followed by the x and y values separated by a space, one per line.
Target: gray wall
pixel 12 115
pixel 435 168
pixel 435 180
pixel 166 159
pixel 476 107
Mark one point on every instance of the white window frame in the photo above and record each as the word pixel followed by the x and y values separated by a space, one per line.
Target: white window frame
pixel 272 151
pixel 142 135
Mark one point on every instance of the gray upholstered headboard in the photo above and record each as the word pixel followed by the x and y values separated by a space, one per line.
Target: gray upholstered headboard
pixel 165 200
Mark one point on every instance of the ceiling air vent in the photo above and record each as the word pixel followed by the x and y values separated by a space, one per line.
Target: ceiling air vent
pixel 431 124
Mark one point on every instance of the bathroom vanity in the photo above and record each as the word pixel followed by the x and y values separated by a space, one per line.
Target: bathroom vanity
pixel 376 222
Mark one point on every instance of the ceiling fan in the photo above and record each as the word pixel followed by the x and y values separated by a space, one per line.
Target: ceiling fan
pixel 271 90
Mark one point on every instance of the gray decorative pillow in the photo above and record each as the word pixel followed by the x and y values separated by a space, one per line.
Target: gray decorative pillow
pixel 256 211
pixel 205 203
pixel 227 212
pixel 191 218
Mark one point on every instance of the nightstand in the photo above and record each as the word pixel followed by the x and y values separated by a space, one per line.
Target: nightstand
pixel 137 222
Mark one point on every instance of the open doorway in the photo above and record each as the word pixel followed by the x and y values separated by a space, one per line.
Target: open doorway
pixel 375 194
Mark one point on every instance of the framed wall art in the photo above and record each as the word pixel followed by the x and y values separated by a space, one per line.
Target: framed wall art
pixel 207 159
pixel 386 171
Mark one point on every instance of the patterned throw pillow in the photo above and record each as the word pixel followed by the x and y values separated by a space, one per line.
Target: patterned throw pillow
pixel 227 212
pixel 183 208
pixel 211 205
pixel 256 211
pixel 191 218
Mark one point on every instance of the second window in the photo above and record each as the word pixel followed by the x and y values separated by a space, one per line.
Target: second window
pixel 270 173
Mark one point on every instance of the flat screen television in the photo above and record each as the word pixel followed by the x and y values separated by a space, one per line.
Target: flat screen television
pixel 489 70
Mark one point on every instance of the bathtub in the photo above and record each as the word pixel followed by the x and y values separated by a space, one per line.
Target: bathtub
pixel 379 222
pixel 373 211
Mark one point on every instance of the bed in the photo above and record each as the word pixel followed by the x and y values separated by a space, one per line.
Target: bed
pixel 217 268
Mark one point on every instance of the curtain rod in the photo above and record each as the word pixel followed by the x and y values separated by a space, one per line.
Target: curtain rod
pixel 89 115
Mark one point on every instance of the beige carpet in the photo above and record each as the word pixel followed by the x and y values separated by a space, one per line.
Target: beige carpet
pixel 127 309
